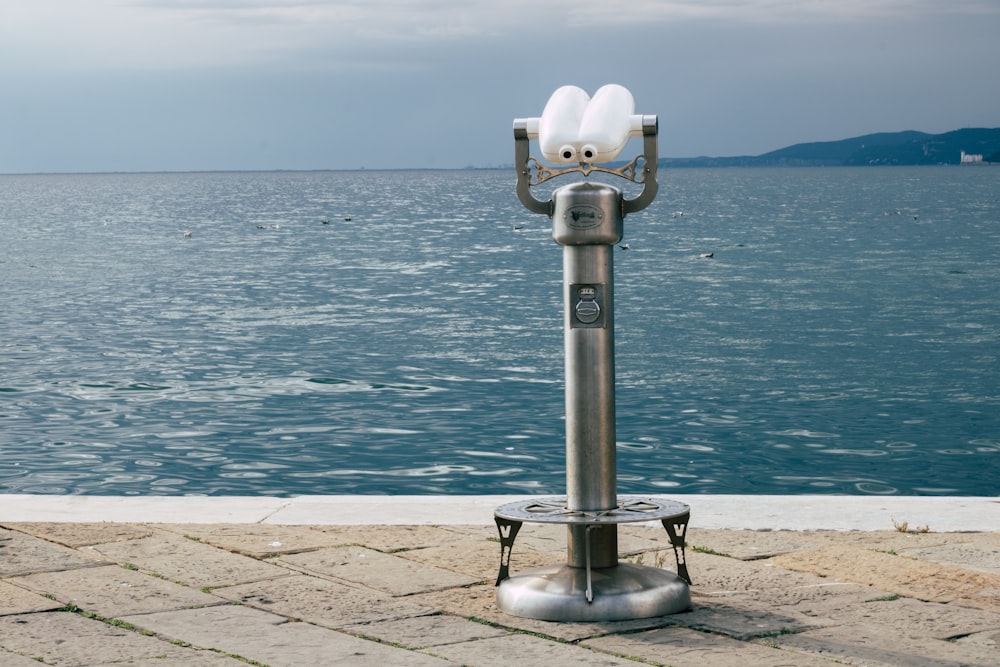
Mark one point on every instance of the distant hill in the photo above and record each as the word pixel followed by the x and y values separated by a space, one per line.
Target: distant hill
pixel 884 148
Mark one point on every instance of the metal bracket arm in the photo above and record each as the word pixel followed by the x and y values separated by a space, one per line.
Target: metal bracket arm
pixel 650 160
pixel 531 172
pixel 521 163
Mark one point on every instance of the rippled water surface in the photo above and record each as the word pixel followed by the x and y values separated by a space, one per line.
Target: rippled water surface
pixel 844 338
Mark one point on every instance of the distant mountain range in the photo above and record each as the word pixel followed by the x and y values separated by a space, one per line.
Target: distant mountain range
pixel 884 148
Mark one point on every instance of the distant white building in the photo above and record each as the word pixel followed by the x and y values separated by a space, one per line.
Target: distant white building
pixel 968 158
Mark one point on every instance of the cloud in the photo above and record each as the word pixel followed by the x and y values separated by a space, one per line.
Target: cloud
pixel 778 12
pixel 174 34
pixel 319 83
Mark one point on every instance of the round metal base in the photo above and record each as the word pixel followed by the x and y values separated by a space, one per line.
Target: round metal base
pixel 620 593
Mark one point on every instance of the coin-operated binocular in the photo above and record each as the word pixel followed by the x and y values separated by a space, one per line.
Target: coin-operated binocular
pixel 579 133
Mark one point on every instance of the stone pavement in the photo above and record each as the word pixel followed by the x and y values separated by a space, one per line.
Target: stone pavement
pixel 193 594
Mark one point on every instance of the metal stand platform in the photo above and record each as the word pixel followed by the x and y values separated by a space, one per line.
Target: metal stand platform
pixel 568 593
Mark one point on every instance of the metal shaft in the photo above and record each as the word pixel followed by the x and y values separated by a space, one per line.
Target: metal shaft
pixel 590 406
pixel 587 222
pixel 590 385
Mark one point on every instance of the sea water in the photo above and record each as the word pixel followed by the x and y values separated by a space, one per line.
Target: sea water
pixel 400 332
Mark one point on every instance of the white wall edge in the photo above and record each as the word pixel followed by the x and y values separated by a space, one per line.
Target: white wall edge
pixel 808 512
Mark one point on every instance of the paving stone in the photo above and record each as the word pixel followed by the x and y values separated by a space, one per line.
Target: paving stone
pixel 820 600
pixel 16 600
pixel 384 572
pixel 272 640
pixel 989 640
pixel 480 560
pixel 719 576
pixel 391 539
pixel 24 554
pixel 985 558
pixel 898 574
pixel 927 619
pixel 683 647
pixel 114 591
pixel 190 658
pixel 879 646
pixel 821 596
pixel 187 561
pixel 83 534
pixel 664 559
pixel 321 601
pixel 65 638
pixel 750 544
pixel 823 603
pixel 742 619
pixel 426 631
pixel 259 540
pixel 525 650
pixel 885 540
pixel 540 537
pixel 8 659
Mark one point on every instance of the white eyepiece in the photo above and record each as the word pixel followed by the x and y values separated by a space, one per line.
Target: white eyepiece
pixel 560 124
pixel 577 128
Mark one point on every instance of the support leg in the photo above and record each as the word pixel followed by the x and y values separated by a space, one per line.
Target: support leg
pixel 508 531
pixel 677 530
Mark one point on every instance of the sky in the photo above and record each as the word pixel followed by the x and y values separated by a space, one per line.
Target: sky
pixel 189 85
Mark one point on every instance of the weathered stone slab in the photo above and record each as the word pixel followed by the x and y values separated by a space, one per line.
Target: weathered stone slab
pixel 192 563
pixel 827 602
pixel 879 646
pixel 719 576
pixel 321 601
pixel 191 658
pixel 749 544
pixel 426 631
pixel 260 540
pixel 393 574
pixel 16 600
pixel 272 640
pixel 906 615
pixel 24 554
pixel 683 647
pixel 985 558
pixel 521 649
pixel 989 640
pixel 65 638
pixel 76 535
pixel 8 659
pixel 898 574
pixel 113 591
pixel 883 540
pixel 742 619
pixel 391 539
pixel 480 560
pixel 540 537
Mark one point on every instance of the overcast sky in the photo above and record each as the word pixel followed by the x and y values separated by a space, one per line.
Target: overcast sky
pixel 150 85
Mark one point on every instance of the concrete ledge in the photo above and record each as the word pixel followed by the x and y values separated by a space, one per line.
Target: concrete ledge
pixel 816 512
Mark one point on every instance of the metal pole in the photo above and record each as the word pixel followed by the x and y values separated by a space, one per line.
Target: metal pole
pixel 590 378
pixel 586 221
